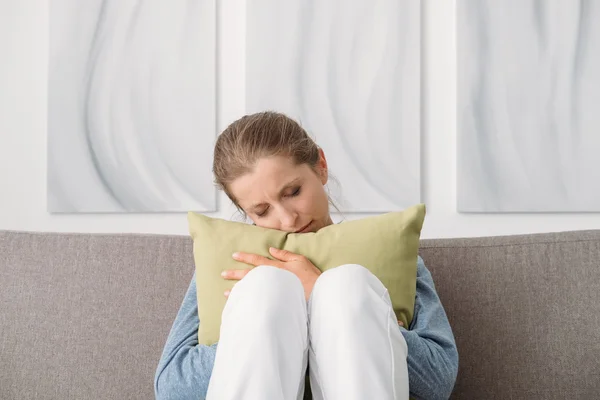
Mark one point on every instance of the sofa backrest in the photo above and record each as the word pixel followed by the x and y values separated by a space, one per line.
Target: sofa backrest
pixel 525 312
pixel 87 315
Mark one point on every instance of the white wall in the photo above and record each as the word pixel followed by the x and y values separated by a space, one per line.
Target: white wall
pixel 23 76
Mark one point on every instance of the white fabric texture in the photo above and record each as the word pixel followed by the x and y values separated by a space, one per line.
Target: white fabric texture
pixel 347 333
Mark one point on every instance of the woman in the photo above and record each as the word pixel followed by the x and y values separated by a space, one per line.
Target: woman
pixel 284 316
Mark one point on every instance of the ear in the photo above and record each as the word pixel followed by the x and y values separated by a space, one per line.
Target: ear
pixel 322 165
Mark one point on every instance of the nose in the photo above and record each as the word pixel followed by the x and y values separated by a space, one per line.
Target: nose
pixel 288 219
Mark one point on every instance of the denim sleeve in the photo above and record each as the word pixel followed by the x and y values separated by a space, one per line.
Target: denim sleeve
pixel 432 353
pixel 185 366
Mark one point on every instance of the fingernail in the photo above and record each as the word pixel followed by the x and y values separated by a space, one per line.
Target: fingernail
pixel 224 274
pixel 227 293
pixel 235 255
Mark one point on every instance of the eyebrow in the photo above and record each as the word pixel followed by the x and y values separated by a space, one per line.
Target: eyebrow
pixel 283 189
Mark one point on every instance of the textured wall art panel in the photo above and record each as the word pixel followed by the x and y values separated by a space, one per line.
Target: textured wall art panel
pixel 528 106
pixel 349 72
pixel 131 113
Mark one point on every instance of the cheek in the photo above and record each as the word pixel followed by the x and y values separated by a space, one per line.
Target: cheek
pixel 304 205
pixel 316 202
pixel 325 205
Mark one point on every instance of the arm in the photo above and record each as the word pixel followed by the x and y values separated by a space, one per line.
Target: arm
pixel 432 354
pixel 185 366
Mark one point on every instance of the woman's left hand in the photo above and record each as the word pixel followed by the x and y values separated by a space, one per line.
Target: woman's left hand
pixel 295 263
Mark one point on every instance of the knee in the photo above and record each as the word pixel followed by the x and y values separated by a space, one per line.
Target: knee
pixel 344 277
pixel 270 292
pixel 344 289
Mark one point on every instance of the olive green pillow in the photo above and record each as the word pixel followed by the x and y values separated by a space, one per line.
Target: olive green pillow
pixel 386 244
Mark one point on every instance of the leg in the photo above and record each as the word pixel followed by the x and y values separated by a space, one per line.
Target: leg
pixel 262 351
pixel 356 350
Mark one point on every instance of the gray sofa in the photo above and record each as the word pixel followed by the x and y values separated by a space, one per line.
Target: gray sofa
pixel 85 316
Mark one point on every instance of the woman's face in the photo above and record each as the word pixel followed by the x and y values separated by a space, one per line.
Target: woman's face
pixel 279 194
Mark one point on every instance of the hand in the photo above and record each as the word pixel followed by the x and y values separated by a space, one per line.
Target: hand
pixel 295 263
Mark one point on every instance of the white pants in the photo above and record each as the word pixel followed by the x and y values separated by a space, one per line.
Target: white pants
pixel 347 334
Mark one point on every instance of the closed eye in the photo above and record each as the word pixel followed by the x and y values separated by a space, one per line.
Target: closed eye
pixel 296 192
pixel 262 213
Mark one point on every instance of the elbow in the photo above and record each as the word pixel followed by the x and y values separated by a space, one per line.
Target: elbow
pixel 444 386
pixel 159 386
pixel 448 371
pixel 163 387
pixel 177 378
pixel 439 377
pixel 446 390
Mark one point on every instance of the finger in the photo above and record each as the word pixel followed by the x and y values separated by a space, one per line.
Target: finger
pixel 254 259
pixel 283 255
pixel 400 323
pixel 234 274
pixel 227 292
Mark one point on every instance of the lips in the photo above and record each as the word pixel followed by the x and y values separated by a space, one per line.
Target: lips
pixel 305 228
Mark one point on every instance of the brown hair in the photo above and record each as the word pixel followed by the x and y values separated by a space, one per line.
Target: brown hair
pixel 254 136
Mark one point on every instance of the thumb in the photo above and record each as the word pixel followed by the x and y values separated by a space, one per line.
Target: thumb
pixel 282 255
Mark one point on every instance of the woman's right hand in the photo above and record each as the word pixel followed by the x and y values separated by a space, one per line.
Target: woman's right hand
pixel 297 264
